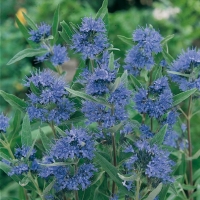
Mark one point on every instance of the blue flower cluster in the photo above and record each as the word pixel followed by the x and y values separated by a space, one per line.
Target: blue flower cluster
pixel 50 104
pixel 77 144
pixel 140 56
pixel 43 31
pixel 4 123
pixel 188 64
pixel 25 161
pixel 150 161
pixel 156 100
pixel 91 38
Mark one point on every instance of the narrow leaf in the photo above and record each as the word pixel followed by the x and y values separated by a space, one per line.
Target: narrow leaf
pixel 45 141
pixel 64 36
pixel 135 82
pixel 159 137
pixel 124 78
pixel 128 178
pixel 155 192
pixel 61 132
pixel 178 73
pixel 30 22
pixel 26 137
pixel 66 29
pixel 111 61
pixel 182 96
pixel 55 24
pixel 48 188
pixel 195 156
pixel 58 164
pixel 166 39
pixel 126 40
pixel 14 101
pixel 167 56
pixel 34 89
pixel 24 181
pixel 114 86
pixel 103 10
pixel 88 97
pixel 27 53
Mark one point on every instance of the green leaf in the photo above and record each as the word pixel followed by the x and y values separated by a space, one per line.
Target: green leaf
pixel 26 137
pixel 124 78
pixel 164 191
pixel 58 164
pixel 78 71
pixel 97 177
pixel 77 86
pixel 195 156
pixel 30 22
pixel 114 86
pixel 24 181
pixel 48 188
pixel 115 128
pixel 126 40
pixel 155 192
pixel 178 73
pixel 103 10
pixel 88 97
pixel 157 73
pixel 128 178
pixel 111 61
pixel 159 137
pixel 55 24
pixel 64 36
pixel 110 169
pixel 61 132
pixel 166 39
pixel 75 118
pixel 182 96
pixel 74 28
pixel 45 141
pixel 135 82
pixel 9 198
pixel 67 30
pixel 4 156
pixel 167 56
pixel 14 101
pixel 196 175
pixel 27 53
pixel 187 187
pixel 34 89
pixel 25 33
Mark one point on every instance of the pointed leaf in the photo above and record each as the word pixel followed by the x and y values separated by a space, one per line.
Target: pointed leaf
pixel 55 24
pixel 114 86
pixel 155 192
pixel 128 178
pixel 66 29
pixel 34 89
pixel 167 56
pixel 135 82
pixel 166 39
pixel 178 73
pixel 195 156
pixel 14 101
pixel 182 96
pixel 103 10
pixel 88 97
pixel 124 78
pixel 159 137
pixel 27 53
pixel 48 188
pixel 61 132
pixel 111 61
pixel 30 22
pixel 45 141
pixel 24 181
pixel 26 137
pixel 126 40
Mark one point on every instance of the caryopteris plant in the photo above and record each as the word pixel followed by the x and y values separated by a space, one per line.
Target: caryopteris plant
pixel 114 132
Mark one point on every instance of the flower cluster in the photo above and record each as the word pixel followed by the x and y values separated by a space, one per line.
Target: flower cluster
pixel 43 31
pixel 91 39
pixel 150 161
pixel 140 56
pixel 77 144
pixel 25 161
pixel 188 65
pixel 156 100
pixel 50 103
pixel 4 123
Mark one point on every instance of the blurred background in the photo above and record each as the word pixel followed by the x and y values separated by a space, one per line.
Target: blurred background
pixel 179 17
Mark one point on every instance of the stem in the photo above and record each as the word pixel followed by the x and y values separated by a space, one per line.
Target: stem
pixel 137 194
pixel 151 124
pixel 114 160
pixel 36 186
pixel 189 144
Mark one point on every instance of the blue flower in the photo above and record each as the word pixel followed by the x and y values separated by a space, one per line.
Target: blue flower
pixel 4 123
pixel 51 103
pixel 24 151
pixel 136 60
pixel 19 169
pixel 76 144
pixel 43 31
pixel 146 132
pixel 148 39
pixel 156 100
pixel 188 63
pixel 91 39
pixel 59 55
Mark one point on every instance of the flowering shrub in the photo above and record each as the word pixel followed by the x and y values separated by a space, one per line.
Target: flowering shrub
pixel 113 135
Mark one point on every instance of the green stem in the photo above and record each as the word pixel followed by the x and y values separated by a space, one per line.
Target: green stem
pixel 189 144
pixel 36 186
pixel 137 194
pixel 7 146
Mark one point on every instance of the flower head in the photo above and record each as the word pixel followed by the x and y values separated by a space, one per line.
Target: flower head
pixel 42 32
pixel 188 64
pixel 4 123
